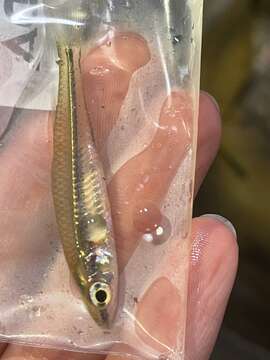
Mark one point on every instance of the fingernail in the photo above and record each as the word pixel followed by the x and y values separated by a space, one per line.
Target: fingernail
pixel 214 101
pixel 224 221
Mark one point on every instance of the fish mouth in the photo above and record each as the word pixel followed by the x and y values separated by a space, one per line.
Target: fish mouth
pixel 101 303
pixel 102 316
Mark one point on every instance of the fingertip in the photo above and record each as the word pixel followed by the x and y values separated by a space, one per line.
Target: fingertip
pixel 226 243
pixel 178 98
pixel 209 136
pixel 209 120
pixel 106 74
pixel 126 51
pixel 214 260
pixel 209 100
pixel 176 122
pixel 219 219
pixel 220 237
pixel 131 50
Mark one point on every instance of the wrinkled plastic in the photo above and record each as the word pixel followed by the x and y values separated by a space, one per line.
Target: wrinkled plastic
pixel 140 71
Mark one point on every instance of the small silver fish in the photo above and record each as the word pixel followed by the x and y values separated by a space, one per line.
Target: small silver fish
pixel 80 196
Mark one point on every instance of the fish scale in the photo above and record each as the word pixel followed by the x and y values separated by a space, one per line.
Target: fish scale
pixel 80 197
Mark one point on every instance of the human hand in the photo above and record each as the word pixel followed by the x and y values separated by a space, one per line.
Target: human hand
pixel 213 261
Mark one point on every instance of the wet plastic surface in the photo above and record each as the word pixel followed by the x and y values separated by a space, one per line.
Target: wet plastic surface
pixel 140 76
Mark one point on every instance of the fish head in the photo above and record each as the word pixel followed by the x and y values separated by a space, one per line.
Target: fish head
pixel 101 303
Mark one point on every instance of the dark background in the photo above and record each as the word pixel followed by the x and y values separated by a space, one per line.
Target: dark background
pixel 236 70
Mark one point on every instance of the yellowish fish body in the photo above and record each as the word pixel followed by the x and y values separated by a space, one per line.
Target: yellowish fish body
pixel 80 197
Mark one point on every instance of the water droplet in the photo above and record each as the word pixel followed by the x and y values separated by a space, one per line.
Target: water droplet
pixel 162 357
pixel 26 299
pixel 36 310
pixel 157 145
pixel 148 237
pixel 147 217
pixel 140 187
pixel 172 113
pixel 177 39
pixel 173 129
pixel 159 231
pixel 99 71
pixel 146 178
pixel 190 190
pixel 155 169
pixel 109 43
pixel 160 234
pixel 126 3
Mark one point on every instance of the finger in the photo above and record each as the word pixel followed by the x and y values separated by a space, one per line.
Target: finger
pixel 26 160
pixel 103 69
pixel 3 347
pixel 19 352
pixel 107 71
pixel 33 147
pixel 25 186
pixel 143 182
pixel 34 141
pixel 20 152
pixel 137 189
pixel 213 267
pixel 209 132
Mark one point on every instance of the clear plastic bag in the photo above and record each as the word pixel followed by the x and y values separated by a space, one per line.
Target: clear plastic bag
pixel 139 75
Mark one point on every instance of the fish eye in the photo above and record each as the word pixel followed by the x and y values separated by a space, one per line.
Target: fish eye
pixel 100 294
